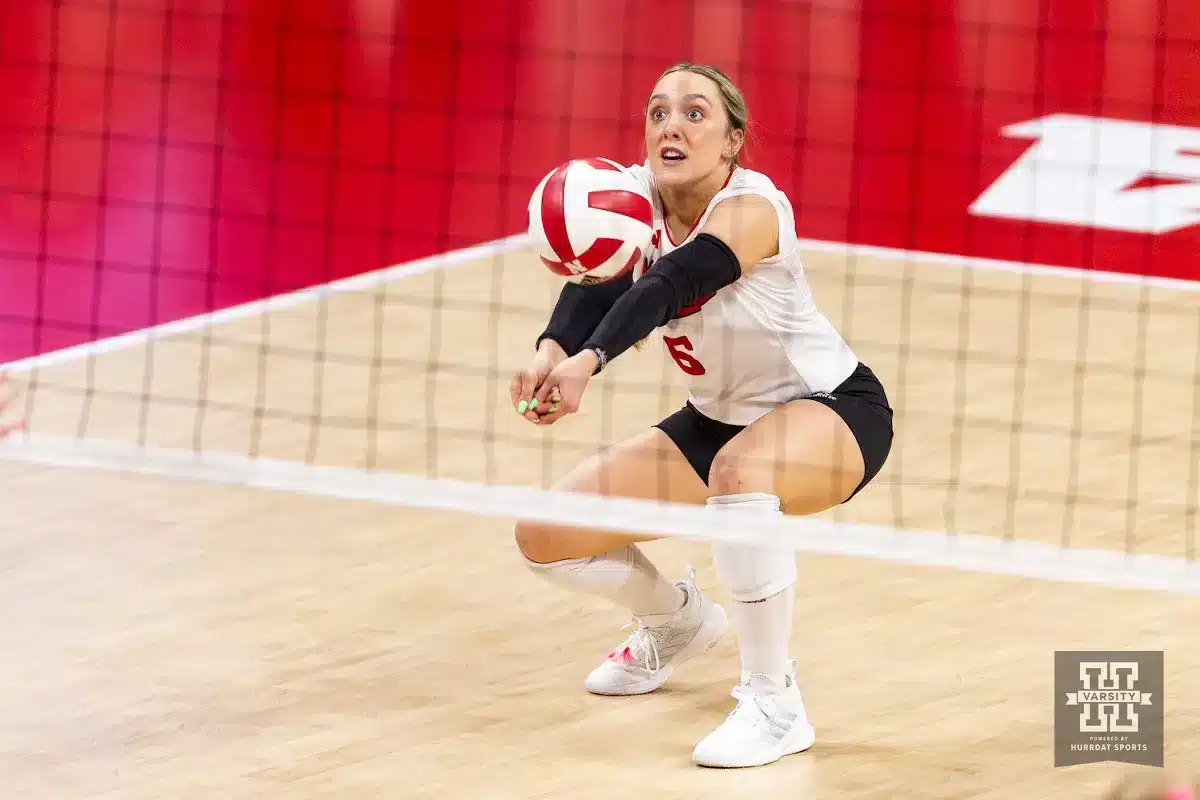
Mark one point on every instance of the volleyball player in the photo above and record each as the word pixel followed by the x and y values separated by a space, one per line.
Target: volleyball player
pixel 781 416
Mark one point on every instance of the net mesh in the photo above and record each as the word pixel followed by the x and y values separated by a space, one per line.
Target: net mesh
pixel 342 189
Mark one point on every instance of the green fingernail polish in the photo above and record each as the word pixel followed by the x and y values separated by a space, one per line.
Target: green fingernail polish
pixel 533 404
pixel 521 406
pixel 554 408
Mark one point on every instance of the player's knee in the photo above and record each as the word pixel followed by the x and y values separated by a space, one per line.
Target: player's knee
pixel 751 573
pixel 539 541
pixel 544 543
pixel 734 472
pixel 723 474
pixel 531 538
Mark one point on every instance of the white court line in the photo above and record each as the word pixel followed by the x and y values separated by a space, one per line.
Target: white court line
pixel 354 283
pixel 520 240
pixel 997 265
pixel 965 552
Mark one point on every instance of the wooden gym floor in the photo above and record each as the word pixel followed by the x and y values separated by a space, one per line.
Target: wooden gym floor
pixel 174 639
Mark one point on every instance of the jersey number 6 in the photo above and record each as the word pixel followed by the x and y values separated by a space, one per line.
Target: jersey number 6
pixel 678 347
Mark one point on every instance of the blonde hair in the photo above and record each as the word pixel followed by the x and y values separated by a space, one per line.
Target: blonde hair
pixel 731 96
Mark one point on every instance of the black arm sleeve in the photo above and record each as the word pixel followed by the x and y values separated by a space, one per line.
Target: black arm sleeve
pixel 700 267
pixel 579 310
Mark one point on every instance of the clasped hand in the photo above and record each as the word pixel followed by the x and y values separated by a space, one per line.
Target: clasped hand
pixel 552 386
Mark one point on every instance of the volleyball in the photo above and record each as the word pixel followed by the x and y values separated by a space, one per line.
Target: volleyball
pixel 590 220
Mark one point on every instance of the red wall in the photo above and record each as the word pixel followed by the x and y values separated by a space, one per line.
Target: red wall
pixel 161 158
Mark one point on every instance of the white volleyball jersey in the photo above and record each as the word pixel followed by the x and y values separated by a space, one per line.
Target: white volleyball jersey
pixel 759 342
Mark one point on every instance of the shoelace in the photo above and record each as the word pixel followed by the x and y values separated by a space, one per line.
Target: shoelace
pixel 636 643
pixel 745 697
pixel 636 640
pixel 748 702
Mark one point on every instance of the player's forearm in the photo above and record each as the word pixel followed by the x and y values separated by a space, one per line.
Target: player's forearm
pixel 700 267
pixel 632 318
pixel 579 310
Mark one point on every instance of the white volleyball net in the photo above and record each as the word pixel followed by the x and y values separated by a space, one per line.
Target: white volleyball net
pixel 200 291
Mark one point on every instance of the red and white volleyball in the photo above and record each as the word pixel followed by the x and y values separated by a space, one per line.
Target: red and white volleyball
pixel 590 218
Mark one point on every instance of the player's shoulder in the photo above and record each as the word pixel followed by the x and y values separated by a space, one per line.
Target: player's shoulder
pixel 743 181
pixel 750 186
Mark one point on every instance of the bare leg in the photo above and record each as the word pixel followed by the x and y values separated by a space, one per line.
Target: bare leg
pixel 801 459
pixel 676 620
pixel 647 466
pixel 801 452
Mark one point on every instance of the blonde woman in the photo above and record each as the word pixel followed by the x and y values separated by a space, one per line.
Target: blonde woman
pixel 782 417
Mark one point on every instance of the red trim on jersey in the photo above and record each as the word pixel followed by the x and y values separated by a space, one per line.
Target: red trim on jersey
pixel 687 311
pixel 667 228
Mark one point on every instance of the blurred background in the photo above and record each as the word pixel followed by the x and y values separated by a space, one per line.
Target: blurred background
pixel 159 159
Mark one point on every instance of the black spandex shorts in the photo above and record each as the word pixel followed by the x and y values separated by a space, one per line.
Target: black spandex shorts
pixel 860 401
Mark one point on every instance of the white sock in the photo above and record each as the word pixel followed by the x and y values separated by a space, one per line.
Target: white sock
pixel 764 633
pixel 764 626
pixel 624 576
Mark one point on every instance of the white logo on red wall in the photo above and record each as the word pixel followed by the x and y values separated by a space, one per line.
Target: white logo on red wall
pixel 1100 173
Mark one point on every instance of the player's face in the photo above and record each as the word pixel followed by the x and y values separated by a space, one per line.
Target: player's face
pixel 687 130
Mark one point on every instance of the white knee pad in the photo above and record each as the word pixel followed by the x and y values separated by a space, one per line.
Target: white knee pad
pixel 752 573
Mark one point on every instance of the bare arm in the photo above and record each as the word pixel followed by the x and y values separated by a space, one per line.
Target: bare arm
pixel 749 225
